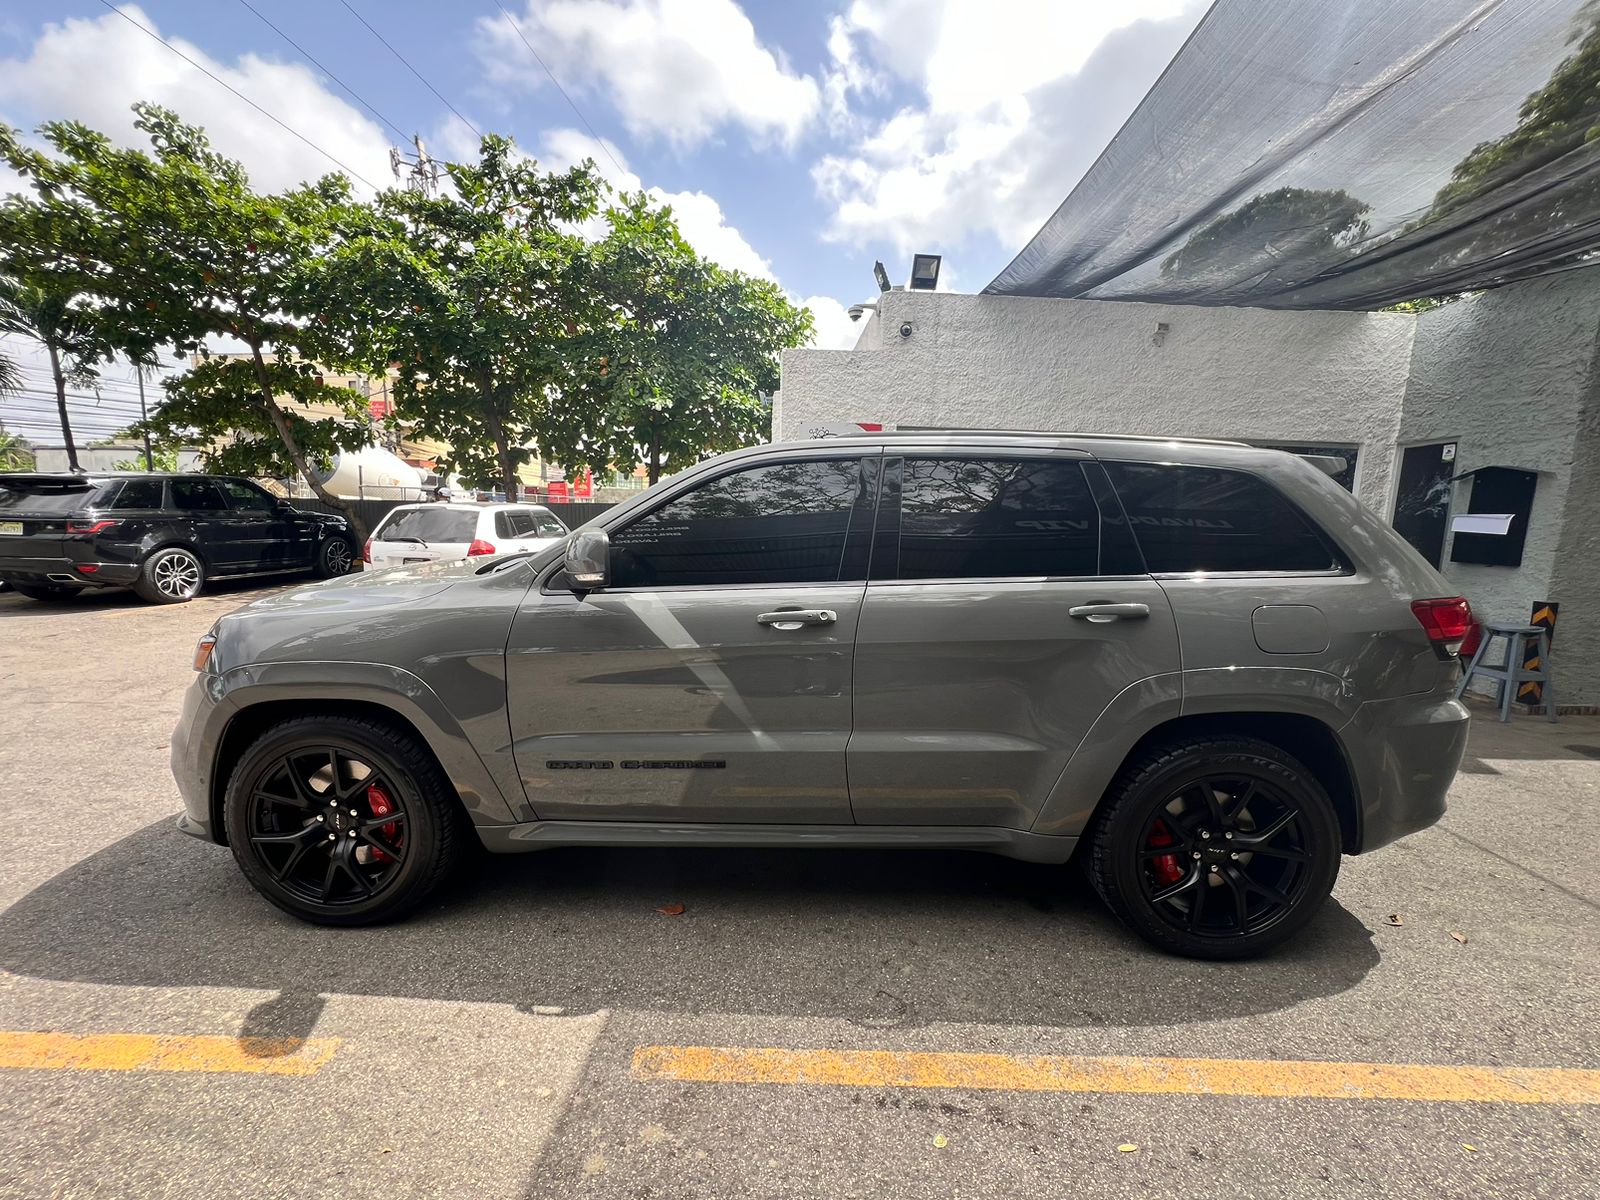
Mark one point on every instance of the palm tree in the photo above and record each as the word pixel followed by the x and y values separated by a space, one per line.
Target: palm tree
pixel 13 455
pixel 49 319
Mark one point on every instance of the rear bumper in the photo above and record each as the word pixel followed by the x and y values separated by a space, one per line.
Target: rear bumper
pixel 62 569
pixel 1405 753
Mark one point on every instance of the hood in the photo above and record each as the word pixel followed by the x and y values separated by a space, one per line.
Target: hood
pixel 367 590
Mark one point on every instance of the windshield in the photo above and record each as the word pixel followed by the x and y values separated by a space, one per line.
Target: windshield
pixel 51 497
pixel 430 525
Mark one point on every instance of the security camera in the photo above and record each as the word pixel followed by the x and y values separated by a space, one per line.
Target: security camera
pixel 856 311
pixel 905 329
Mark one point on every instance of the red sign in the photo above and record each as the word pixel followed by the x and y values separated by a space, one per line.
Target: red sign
pixel 583 485
pixel 557 489
pixel 378 407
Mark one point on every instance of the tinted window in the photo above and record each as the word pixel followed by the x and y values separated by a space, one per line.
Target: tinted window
pixel 430 525
pixel 1205 519
pixel 49 497
pixel 513 524
pixel 139 493
pixel 548 525
pixel 244 495
pixel 995 518
pixel 784 523
pixel 197 495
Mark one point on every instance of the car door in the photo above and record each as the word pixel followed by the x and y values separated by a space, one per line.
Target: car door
pixel 710 681
pixel 204 512
pixel 264 536
pixel 1007 608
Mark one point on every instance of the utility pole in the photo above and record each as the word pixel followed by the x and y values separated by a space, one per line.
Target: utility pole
pixel 419 172
pixel 144 415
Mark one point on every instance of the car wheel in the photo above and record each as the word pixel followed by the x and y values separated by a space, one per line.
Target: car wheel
pixel 1216 847
pixel 335 558
pixel 48 591
pixel 170 576
pixel 342 821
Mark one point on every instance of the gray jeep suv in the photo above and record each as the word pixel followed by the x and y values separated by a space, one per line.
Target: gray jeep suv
pixel 1204 668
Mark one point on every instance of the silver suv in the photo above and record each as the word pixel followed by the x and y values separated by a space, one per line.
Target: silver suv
pixel 1204 669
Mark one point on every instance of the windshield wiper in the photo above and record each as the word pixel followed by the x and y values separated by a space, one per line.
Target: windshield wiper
pixel 404 537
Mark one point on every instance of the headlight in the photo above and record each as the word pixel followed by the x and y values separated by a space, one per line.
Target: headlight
pixel 202 651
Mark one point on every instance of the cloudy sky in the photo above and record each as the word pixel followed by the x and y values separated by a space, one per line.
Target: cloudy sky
pixel 799 141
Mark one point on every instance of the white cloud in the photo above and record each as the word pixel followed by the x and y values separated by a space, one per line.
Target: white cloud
pixel 1017 101
pixel 835 330
pixel 674 68
pixel 92 70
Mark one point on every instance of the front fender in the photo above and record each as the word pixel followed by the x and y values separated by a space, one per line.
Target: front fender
pixel 484 785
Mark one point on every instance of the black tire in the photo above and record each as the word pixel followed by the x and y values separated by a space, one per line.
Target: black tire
pixel 336 556
pixel 49 592
pixel 1230 888
pixel 283 850
pixel 171 575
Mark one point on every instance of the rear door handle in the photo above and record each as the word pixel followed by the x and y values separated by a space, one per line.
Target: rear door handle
pixel 1099 614
pixel 796 618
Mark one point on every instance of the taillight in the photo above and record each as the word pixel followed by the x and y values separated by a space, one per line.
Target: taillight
pixel 479 546
pixel 90 526
pixel 366 552
pixel 1445 621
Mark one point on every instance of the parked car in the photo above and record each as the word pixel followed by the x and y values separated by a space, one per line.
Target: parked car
pixel 448 532
pixel 162 535
pixel 1204 668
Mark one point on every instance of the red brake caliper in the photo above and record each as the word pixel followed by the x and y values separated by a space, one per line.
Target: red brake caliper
pixel 1166 867
pixel 382 806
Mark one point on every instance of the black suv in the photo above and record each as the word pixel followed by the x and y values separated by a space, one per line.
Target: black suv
pixel 162 535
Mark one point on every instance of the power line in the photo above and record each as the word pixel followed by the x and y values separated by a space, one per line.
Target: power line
pixel 409 67
pixel 308 56
pixel 286 128
pixel 516 27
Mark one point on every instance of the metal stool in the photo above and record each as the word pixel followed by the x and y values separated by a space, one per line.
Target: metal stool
pixel 1510 672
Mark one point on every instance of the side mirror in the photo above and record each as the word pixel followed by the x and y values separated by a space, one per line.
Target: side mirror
pixel 284 505
pixel 588 559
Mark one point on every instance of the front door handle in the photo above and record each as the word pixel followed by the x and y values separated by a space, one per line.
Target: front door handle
pixel 796 618
pixel 1099 614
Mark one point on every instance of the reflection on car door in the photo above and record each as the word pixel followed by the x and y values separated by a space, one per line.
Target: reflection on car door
pixel 264 537
pixel 210 522
pixel 985 652
pixel 711 681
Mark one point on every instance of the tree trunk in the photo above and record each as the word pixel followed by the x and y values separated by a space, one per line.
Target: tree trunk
pixel 297 456
pixel 502 452
pixel 61 407
pixel 654 463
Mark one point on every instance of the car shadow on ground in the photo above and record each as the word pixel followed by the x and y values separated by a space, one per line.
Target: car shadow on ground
pixel 238 591
pixel 882 938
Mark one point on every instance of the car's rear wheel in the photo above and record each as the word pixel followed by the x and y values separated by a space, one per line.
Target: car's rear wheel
pixel 335 557
pixel 1216 847
pixel 48 591
pixel 342 821
pixel 171 575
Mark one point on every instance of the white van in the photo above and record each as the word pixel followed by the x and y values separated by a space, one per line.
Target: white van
pixel 444 532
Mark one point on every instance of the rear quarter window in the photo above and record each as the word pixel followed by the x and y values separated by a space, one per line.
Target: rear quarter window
pixel 1214 519
pixel 139 493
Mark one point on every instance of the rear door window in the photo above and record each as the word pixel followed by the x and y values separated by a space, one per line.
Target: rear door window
pixel 140 493
pixel 512 523
pixel 198 495
pixel 1190 519
pixel 431 525
pixel 992 518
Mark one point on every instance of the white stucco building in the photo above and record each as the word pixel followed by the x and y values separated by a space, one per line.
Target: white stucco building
pixel 1509 378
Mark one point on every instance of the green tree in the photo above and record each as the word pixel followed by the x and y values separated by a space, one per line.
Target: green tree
pixel 475 297
pixel 165 459
pixel 680 356
pixel 199 256
pixel 14 455
pixel 51 316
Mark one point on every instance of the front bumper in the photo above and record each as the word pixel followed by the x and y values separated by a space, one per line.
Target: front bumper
pixel 1405 753
pixel 194 744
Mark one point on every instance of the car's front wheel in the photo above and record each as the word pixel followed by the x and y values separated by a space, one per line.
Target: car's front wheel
pixel 170 576
pixel 335 557
pixel 1215 847
pixel 341 820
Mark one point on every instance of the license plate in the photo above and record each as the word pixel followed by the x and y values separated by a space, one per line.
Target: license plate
pixel 13 528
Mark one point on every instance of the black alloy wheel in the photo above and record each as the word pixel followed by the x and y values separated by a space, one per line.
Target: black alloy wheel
pixel 335 558
pixel 341 821
pixel 1217 847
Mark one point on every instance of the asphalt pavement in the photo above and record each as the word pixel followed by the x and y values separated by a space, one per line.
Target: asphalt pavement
pixel 827 1024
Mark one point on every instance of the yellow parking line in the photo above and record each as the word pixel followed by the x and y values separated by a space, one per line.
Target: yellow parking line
pixel 1141 1075
pixel 150 1052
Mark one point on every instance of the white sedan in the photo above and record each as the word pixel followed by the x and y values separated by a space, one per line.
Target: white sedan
pixel 445 532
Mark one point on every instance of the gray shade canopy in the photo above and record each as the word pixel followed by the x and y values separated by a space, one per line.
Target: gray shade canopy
pixel 1342 154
